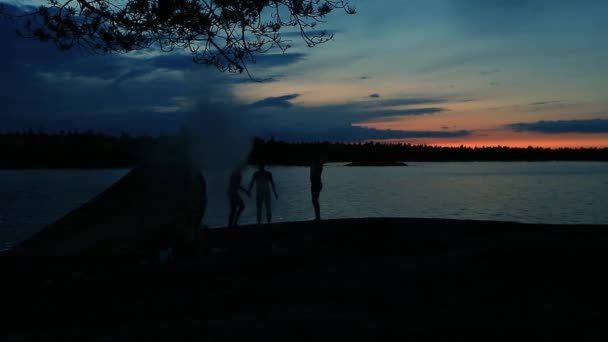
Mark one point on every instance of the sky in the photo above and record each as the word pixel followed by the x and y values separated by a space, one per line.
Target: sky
pixel 441 72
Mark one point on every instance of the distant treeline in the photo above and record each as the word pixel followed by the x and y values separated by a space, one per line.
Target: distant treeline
pixel 28 150
pixel 278 152
pixel 37 150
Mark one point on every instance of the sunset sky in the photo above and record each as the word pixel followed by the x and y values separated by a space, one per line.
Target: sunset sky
pixel 447 72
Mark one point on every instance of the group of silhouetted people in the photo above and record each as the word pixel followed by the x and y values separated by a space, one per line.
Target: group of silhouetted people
pixel 264 185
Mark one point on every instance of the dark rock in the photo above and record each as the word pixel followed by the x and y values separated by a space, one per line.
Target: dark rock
pixel 158 204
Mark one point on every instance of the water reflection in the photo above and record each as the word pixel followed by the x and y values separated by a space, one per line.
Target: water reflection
pixel 550 192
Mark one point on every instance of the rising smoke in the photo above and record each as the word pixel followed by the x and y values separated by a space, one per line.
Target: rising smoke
pixel 221 133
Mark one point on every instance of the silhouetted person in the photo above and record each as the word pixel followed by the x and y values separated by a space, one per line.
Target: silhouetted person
pixel 263 181
pixel 316 168
pixel 236 202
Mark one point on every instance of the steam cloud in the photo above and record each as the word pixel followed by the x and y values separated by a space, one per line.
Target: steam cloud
pixel 221 129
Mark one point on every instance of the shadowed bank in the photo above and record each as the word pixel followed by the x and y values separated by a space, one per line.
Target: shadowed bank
pixel 371 277
pixel 158 204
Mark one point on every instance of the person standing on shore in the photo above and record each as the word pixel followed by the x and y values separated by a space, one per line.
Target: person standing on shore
pixel 316 168
pixel 263 180
pixel 236 202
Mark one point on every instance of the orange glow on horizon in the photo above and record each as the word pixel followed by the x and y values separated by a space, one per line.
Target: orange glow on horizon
pixel 511 139
pixel 498 137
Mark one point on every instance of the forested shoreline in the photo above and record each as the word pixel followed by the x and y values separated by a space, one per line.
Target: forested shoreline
pixel 89 150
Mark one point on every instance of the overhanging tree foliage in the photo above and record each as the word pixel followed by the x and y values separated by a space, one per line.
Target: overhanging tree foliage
pixel 223 33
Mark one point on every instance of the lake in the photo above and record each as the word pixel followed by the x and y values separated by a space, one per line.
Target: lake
pixel 531 192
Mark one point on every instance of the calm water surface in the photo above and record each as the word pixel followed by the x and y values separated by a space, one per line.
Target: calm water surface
pixel 548 192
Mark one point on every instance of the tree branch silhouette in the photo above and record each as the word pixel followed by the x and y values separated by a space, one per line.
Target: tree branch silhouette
pixel 224 33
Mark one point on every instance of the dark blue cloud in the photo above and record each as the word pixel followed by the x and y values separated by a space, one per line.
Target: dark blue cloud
pixel 563 126
pixel 542 103
pixel 538 106
pixel 368 111
pixel 382 110
pixel 278 59
pixel 542 106
pixel 173 61
pixel 371 133
pixel 42 87
pixel 407 101
pixel 342 122
pixel 277 102
pixel 347 133
pixel 396 115
pixel 373 110
pixel 310 33
pixel 374 95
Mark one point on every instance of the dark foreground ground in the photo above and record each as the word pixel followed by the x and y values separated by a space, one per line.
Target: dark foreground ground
pixel 338 279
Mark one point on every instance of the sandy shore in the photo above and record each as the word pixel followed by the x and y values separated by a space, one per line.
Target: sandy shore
pixel 376 277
